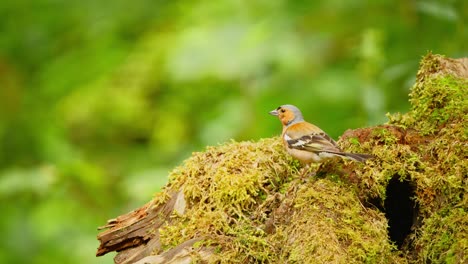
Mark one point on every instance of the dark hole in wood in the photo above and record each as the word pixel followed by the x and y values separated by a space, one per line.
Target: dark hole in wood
pixel 400 209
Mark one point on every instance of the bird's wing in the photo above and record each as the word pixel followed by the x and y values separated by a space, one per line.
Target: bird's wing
pixel 316 142
pixel 310 138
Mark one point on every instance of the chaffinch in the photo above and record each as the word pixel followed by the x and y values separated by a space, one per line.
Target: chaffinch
pixel 307 142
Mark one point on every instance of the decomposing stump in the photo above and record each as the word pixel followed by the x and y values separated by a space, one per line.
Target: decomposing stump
pixel 247 203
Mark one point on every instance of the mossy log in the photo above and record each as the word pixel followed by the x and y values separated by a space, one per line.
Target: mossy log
pixel 246 202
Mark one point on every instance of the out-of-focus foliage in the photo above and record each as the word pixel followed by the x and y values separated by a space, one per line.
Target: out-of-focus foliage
pixel 98 100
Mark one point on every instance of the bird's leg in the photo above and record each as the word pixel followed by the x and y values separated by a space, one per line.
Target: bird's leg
pixel 303 171
pixel 306 171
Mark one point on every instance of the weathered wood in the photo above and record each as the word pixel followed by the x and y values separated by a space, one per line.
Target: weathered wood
pixel 136 234
pixel 183 253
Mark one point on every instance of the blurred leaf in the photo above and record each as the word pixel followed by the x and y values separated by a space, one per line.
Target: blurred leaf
pixel 16 182
pixel 438 9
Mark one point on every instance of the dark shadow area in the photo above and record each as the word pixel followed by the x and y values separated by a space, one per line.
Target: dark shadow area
pixel 400 209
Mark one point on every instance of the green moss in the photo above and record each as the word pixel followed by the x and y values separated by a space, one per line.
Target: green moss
pixel 251 202
pixel 427 147
pixel 437 98
pixel 234 176
pixel 445 237
pixel 329 225
pixel 234 192
pixel 224 186
pixel 438 101
pixel 354 141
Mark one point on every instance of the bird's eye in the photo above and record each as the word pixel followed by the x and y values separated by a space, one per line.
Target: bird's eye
pixel 282 110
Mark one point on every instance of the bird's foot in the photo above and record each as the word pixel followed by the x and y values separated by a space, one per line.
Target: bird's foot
pixel 306 172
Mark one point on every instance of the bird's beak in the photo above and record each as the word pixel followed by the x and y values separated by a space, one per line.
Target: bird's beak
pixel 274 112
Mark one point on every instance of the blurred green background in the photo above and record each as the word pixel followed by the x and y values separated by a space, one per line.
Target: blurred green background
pixel 100 99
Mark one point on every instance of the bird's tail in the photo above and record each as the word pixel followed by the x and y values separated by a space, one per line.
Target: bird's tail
pixel 357 156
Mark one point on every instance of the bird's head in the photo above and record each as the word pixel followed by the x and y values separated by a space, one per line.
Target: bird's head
pixel 288 114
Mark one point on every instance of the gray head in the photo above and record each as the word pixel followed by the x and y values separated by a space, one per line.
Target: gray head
pixel 288 114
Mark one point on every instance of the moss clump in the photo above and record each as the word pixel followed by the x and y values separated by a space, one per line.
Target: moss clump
pixel 224 186
pixel 443 238
pixel 249 203
pixel 329 225
pixel 428 148
pixel 233 177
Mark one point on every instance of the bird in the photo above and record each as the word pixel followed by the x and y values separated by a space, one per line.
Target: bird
pixel 307 142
